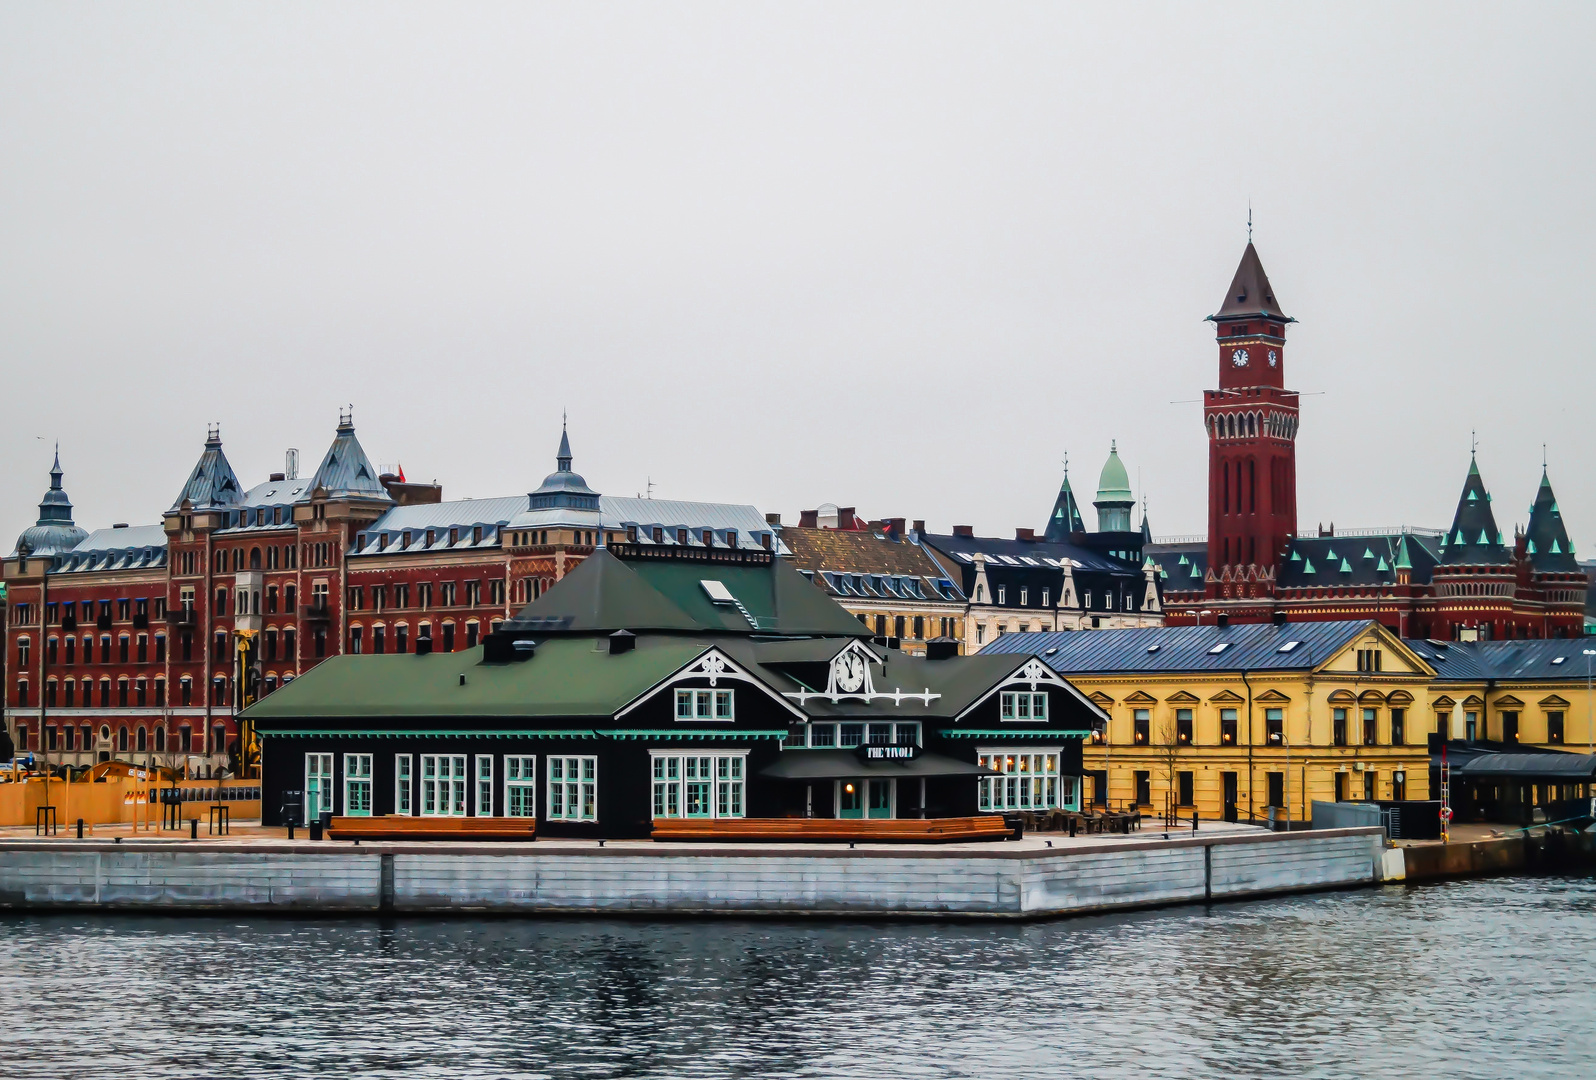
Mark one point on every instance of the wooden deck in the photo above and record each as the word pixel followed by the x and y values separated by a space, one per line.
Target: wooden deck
pixel 984 827
pixel 404 827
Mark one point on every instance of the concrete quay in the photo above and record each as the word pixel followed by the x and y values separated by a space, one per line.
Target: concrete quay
pixel 1037 877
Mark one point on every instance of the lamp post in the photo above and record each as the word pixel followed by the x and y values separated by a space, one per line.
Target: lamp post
pixel 1590 707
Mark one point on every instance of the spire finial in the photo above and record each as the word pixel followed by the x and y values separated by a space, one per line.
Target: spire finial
pixel 1474 443
pixel 1249 221
pixel 1543 457
pixel 346 418
pixel 1066 464
pixel 1113 446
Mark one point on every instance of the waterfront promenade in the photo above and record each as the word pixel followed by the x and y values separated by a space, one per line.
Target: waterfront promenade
pixel 1038 876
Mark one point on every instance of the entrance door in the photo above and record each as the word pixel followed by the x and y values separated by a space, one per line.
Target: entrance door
pixel 850 798
pixel 879 798
pixel 1229 780
pixel 318 785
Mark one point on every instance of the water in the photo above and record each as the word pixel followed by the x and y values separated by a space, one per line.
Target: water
pixel 1472 979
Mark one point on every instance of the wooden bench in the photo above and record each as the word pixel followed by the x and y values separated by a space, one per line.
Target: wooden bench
pixel 404 827
pixel 835 830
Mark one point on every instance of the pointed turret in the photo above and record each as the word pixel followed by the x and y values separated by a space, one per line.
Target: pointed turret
pixel 1250 293
pixel 1548 547
pixel 345 471
pixel 1474 538
pixel 1114 500
pixel 212 484
pixel 55 530
pixel 1066 516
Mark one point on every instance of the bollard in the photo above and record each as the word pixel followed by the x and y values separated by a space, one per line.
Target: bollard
pixel 1072 829
pixel 80 828
pixel 193 828
pixel 1194 821
pixel 290 828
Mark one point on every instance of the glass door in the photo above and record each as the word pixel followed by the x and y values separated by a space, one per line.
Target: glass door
pixel 879 798
pixel 698 786
pixel 318 785
pixel 357 785
pixel 850 798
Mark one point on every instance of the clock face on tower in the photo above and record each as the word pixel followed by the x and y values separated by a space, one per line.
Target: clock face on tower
pixel 1239 358
pixel 1274 358
pixel 848 672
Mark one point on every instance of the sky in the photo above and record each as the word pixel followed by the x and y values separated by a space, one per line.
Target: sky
pixel 904 257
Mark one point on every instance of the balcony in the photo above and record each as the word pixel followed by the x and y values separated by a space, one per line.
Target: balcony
pixel 316 613
pixel 102 622
pixel 182 616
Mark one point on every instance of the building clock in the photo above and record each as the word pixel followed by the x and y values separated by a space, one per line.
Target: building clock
pixel 1239 358
pixel 848 672
pixel 1274 358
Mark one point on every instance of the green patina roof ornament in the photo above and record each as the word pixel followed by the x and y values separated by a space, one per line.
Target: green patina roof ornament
pixel 1458 539
pixel 1557 550
pixel 1307 567
pixel 1529 548
pixel 1195 572
pixel 1472 496
pixel 1483 538
pixel 1368 553
pixel 1403 562
pixel 1330 554
pixel 1346 567
pixel 1183 561
pixel 1296 556
pixel 1382 568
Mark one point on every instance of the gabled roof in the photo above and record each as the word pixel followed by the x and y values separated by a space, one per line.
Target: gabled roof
pixel 890 564
pixel 1473 539
pixel 1547 543
pixel 212 484
pixel 1250 292
pixel 1179 649
pixel 345 471
pixel 663 589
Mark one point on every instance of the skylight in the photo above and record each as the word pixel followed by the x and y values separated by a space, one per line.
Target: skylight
pixel 717 592
pixel 1029 561
pixel 1558 659
pixel 1010 559
pixel 1288 646
pixel 1154 648
pixel 1217 649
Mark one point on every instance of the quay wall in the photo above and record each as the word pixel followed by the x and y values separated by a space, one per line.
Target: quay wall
pixel 671 881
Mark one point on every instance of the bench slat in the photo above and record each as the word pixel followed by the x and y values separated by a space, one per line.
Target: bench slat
pixel 401 827
pixel 821 830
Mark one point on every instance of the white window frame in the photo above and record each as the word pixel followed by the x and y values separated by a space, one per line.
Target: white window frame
pixel 572 787
pixel 323 789
pixel 1022 706
pixel 357 774
pixel 1031 779
pixel 483 789
pixel 672 771
pixel 443 793
pixel 703 703
pixel 404 793
pixel 521 785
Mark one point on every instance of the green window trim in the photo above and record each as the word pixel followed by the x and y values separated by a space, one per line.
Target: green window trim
pixel 1009 733
pixel 434 733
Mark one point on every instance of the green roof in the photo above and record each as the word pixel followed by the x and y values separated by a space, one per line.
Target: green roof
pixel 1113 483
pixel 567 677
pixel 665 591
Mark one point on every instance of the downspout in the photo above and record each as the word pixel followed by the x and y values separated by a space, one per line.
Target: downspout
pixel 1251 814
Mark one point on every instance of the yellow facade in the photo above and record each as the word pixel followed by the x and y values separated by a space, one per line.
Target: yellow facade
pixel 1281 738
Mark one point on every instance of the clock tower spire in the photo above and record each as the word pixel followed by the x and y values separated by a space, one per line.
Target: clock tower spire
pixel 1252 430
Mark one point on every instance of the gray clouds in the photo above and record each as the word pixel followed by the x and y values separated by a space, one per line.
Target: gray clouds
pixel 899 256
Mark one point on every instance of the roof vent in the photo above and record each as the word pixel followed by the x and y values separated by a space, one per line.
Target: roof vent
pixel 941 648
pixel 423 646
pixel 523 649
pixel 1222 621
pixel 1278 618
pixel 622 641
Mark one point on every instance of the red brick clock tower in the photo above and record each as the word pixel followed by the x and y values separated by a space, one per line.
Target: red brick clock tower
pixel 1252 432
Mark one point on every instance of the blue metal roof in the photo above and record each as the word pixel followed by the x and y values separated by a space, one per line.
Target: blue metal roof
pixel 1475 661
pixel 1162 649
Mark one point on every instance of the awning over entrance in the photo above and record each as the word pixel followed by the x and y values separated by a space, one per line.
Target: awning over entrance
pixel 842 764
pixel 1532 768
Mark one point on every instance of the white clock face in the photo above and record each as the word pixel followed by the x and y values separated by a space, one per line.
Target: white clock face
pixel 1239 358
pixel 849 671
pixel 1274 358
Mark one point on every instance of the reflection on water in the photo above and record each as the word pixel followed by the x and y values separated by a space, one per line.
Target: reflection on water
pixel 1487 978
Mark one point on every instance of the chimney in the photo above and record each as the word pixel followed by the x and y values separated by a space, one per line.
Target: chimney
pixel 773 519
pixel 622 641
pixel 964 530
pixel 273 477
pixel 809 519
pixel 919 526
pixel 941 648
pixel 1221 620
pixel 1028 535
pixel 897 526
pixel 1279 618
pixel 846 518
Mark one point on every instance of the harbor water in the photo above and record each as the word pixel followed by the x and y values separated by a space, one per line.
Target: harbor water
pixel 1486 978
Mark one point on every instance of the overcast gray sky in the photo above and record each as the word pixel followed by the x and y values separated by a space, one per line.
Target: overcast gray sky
pixel 897 256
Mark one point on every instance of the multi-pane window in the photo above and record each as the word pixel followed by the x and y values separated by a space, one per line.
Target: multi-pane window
pixel 401 784
pixel 1275 726
pixel 1142 724
pixel 1338 727
pixel 1398 726
pixel 1227 727
pixel 318 784
pixel 443 785
pixel 1027 781
pixel 825 736
pixel 1022 705
pixel 704 705
pixel 1371 726
pixel 520 786
pixel 357 785
pixel 1183 729
pixel 1369 659
pixel 573 788
pixel 1510 727
pixel 484 805
pixel 698 785
pixel 1554 727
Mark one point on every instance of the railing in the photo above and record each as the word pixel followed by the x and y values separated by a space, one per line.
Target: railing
pixel 317 612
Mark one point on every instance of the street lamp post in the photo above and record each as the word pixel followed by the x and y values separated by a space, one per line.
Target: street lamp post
pixel 1590 707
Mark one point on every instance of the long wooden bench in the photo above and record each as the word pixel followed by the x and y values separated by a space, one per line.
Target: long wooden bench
pixel 835 830
pixel 404 827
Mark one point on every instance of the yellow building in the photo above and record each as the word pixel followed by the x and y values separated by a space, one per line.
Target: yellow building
pixel 1229 721
pixel 1514 693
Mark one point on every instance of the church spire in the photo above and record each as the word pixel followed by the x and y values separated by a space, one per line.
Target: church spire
pixel 1548 547
pixel 1474 537
pixel 1066 516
